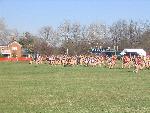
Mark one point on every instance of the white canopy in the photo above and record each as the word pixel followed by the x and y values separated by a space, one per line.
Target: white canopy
pixel 138 51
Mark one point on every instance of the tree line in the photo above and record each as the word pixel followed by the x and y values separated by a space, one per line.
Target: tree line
pixel 74 38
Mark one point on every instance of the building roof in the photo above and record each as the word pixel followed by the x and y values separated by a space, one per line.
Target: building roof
pixel 13 42
pixel 2 43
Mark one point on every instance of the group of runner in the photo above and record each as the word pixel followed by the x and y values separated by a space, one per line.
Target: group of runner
pixel 138 62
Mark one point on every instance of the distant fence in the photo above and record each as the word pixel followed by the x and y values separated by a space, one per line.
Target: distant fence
pixel 16 59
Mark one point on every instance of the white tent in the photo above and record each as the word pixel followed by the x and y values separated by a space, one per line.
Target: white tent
pixel 138 51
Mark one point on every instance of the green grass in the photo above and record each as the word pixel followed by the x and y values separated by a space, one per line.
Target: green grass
pixel 42 88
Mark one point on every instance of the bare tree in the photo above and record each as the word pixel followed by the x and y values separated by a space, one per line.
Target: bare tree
pixel 64 32
pixel 118 32
pixel 3 33
pixel 49 35
pixel 126 34
pixel 145 41
pixel 78 39
pixel 96 34
pixel 6 35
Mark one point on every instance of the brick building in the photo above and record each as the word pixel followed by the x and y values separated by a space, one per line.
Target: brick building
pixel 12 49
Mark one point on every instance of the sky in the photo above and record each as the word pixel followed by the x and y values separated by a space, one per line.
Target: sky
pixel 31 15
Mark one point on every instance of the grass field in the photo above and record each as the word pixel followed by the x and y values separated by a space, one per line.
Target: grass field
pixel 42 88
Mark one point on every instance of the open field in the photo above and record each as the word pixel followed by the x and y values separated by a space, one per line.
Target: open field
pixel 42 88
